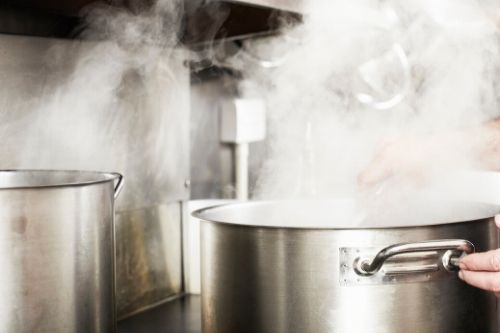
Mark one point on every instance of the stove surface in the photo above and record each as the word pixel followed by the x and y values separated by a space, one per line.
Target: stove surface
pixel 182 315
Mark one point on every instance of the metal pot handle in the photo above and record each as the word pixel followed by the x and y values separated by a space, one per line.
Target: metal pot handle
pixel 456 248
pixel 119 183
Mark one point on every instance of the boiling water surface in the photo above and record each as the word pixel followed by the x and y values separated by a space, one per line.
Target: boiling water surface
pixel 463 197
pixel 342 213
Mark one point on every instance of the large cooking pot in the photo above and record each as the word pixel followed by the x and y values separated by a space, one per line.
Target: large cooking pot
pixel 299 266
pixel 57 251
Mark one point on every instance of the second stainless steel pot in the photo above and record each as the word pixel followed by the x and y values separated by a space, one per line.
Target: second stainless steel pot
pixel 265 271
pixel 57 251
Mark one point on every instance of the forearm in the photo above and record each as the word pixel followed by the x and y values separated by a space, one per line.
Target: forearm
pixel 413 156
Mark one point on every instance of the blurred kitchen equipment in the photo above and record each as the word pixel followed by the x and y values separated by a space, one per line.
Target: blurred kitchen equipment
pixel 243 120
pixel 295 267
pixel 383 81
pixel 266 54
pixel 57 245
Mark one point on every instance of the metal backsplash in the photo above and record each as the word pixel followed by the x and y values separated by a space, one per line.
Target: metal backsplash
pixel 211 161
pixel 148 257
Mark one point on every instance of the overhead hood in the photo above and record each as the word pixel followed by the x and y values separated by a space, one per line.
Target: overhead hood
pixel 243 18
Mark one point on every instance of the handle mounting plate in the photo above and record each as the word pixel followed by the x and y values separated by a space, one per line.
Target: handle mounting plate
pixel 403 268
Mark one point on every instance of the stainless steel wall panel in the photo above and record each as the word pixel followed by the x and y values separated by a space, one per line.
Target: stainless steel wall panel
pixel 148 257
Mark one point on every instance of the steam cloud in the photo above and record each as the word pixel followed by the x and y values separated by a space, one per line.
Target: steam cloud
pixel 357 73
pixel 103 102
pixel 352 75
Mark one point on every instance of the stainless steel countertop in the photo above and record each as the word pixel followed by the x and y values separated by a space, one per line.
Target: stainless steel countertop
pixel 182 315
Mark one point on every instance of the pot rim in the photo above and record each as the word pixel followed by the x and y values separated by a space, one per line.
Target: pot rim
pixel 199 213
pixel 94 177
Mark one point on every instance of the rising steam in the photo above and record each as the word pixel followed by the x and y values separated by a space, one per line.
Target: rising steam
pixel 105 103
pixel 354 74
pixel 360 72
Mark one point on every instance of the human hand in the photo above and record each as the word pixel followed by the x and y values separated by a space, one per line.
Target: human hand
pixel 482 270
pixel 414 159
pixel 404 159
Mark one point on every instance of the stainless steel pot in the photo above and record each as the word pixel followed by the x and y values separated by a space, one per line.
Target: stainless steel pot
pixel 290 267
pixel 57 251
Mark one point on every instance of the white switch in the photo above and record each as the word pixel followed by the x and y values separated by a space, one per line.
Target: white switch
pixel 243 120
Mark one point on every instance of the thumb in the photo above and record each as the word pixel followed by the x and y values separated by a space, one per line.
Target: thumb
pixel 497 220
pixel 376 173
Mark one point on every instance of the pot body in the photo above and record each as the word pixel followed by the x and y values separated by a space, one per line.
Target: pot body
pixel 260 279
pixel 57 245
